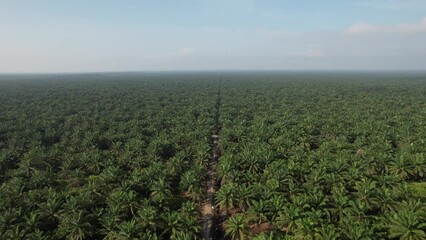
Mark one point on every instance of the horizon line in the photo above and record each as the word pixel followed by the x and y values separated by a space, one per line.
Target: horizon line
pixel 213 70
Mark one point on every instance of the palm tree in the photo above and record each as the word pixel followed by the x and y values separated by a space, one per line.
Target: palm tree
pixel 189 225
pixel 305 229
pixel 388 181
pixel 340 202
pixel 75 226
pixel 109 227
pixel 286 221
pixel 31 161
pixel 225 198
pixel 276 204
pixel 148 217
pixel 8 218
pixel 243 196
pixel 316 197
pixel 172 221
pixel 272 188
pixel 258 211
pixel 32 222
pixel 353 175
pixel 366 192
pixel 129 229
pixel 224 167
pixel 409 222
pixel 413 206
pixel 93 160
pixel 354 228
pixel 236 227
pixel 202 154
pixel 128 199
pixel 356 210
pixel 385 201
pixel 406 226
pixel 401 166
pixel 160 190
pixel 419 165
pixel 328 232
pixel 190 184
pixel 189 208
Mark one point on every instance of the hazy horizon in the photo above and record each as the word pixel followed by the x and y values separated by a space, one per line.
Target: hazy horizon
pixel 78 36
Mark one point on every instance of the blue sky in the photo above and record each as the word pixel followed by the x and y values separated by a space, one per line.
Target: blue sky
pixel 130 35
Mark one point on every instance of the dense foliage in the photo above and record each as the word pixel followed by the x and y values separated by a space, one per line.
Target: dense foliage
pixel 103 157
pixel 124 156
pixel 324 157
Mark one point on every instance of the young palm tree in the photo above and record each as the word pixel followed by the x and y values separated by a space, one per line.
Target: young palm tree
pixel 328 232
pixel 225 198
pixel 409 222
pixel 272 188
pixel 276 205
pixel 172 224
pixel 406 226
pixel 244 194
pixel 8 218
pixel 366 192
pixel 160 190
pixel 286 221
pixel 109 228
pixel 353 228
pixel 385 199
pixel 129 229
pixel 258 211
pixel 190 184
pixel 401 166
pixel 339 204
pixel 419 165
pixel 189 225
pixel 94 163
pixel 305 229
pixel 75 226
pixel 236 227
pixel 32 222
pixel 129 200
pixel 148 218
pixel 224 167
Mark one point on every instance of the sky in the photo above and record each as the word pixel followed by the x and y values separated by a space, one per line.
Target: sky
pixel 137 35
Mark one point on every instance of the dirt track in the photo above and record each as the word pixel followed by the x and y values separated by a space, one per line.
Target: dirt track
pixel 209 211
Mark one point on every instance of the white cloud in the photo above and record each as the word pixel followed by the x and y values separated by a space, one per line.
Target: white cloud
pixel 364 28
pixel 360 28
